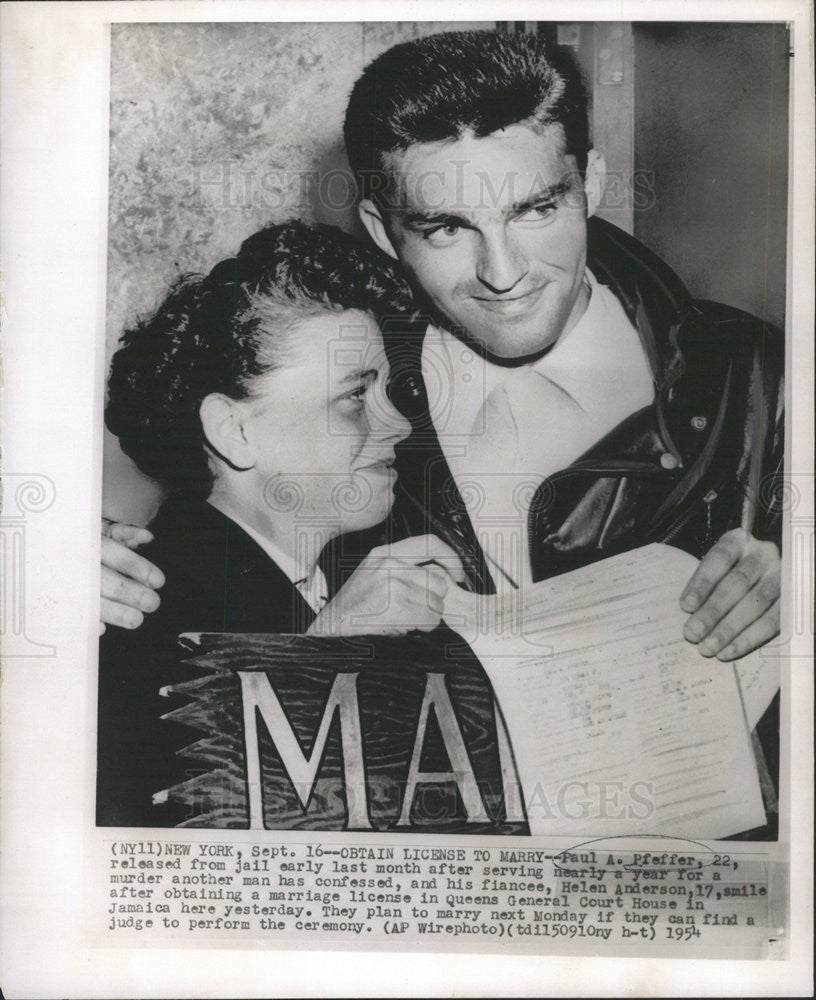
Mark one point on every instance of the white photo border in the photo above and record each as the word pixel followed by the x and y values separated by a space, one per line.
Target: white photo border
pixel 55 65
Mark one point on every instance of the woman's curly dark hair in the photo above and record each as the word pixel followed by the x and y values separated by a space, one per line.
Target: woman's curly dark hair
pixel 217 333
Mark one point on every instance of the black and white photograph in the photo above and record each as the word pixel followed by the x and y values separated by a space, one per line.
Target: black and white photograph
pixel 432 351
pixel 446 537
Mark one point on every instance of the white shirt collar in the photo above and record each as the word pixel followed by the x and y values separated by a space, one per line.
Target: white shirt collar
pixel 602 353
pixel 581 356
pixel 504 429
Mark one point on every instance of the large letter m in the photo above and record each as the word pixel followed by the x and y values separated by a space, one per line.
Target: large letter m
pixel 258 695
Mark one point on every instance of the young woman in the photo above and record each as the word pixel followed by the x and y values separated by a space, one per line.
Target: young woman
pixel 257 397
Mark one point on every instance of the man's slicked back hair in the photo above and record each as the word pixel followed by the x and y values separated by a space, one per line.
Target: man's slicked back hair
pixel 444 86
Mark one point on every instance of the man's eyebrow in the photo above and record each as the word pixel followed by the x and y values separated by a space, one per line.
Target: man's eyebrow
pixel 358 375
pixel 416 220
pixel 549 193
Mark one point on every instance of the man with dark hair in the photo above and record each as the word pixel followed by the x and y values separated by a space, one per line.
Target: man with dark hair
pixel 582 410
pixel 437 88
pixel 570 399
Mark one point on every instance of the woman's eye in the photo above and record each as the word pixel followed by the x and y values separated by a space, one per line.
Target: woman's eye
pixel 539 213
pixel 358 395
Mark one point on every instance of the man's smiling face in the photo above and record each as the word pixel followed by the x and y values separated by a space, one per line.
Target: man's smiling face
pixel 493 231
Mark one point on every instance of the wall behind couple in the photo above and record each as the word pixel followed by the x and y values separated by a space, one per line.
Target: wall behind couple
pixel 217 129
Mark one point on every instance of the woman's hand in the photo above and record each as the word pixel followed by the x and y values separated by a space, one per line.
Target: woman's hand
pixel 396 589
pixel 129 581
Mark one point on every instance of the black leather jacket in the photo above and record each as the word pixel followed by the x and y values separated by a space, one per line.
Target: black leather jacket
pixel 705 457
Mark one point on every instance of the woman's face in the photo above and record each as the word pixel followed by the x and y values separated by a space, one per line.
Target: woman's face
pixel 322 427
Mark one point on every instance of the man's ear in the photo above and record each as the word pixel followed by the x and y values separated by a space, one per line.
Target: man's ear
pixel 595 180
pixel 222 420
pixel 372 219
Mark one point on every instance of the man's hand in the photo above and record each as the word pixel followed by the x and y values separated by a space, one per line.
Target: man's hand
pixel 734 597
pixel 396 589
pixel 129 581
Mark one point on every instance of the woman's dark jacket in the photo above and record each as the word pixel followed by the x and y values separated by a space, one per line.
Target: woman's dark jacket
pixel 218 580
